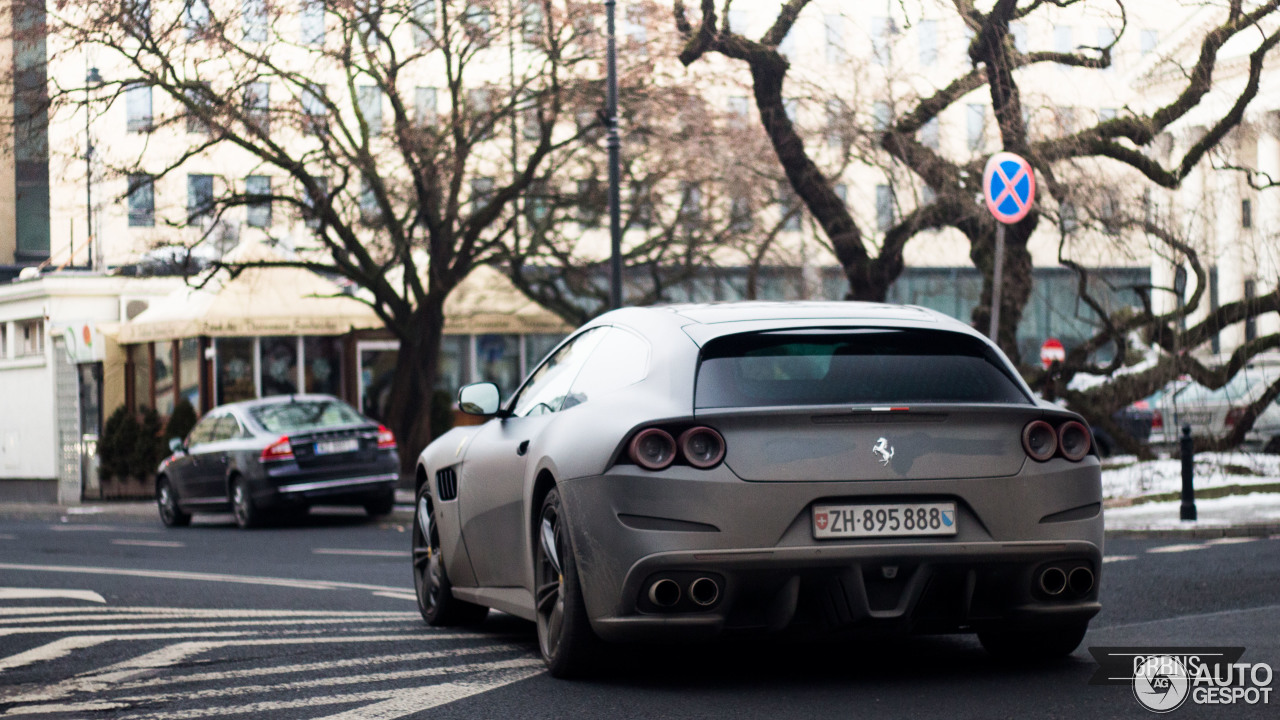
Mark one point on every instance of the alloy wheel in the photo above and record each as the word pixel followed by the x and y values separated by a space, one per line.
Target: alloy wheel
pixel 426 559
pixel 550 596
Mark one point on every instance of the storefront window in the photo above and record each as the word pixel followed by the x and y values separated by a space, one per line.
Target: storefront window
pixel 377 368
pixel 537 347
pixel 189 371
pixel 498 361
pixel 162 374
pixel 235 370
pixel 455 356
pixel 279 363
pixel 323 359
pixel 141 359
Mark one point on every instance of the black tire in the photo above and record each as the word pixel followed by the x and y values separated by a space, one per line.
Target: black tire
pixel 247 513
pixel 569 646
pixel 1049 642
pixel 431 583
pixel 167 502
pixel 383 505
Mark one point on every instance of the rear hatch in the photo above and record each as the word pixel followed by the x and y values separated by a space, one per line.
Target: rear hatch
pixel 863 404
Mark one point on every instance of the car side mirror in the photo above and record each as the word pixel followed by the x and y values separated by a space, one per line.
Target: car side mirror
pixel 479 399
pixel 175 445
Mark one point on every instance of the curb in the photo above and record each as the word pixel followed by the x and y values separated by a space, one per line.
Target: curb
pixel 1196 533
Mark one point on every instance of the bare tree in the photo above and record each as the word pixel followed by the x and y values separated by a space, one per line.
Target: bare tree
pixel 336 101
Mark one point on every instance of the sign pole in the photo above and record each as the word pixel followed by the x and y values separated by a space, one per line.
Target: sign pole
pixel 997 279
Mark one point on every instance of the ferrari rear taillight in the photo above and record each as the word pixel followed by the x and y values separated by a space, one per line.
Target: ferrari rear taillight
pixel 1074 441
pixel 386 438
pixel 702 447
pixel 652 449
pixel 278 450
pixel 1040 440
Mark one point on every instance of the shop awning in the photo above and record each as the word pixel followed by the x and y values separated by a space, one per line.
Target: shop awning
pixel 488 302
pixel 257 301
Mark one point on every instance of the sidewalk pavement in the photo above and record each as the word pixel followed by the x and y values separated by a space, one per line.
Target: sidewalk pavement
pixel 1254 514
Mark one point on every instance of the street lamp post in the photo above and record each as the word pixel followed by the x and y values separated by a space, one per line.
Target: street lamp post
pixel 92 80
pixel 615 172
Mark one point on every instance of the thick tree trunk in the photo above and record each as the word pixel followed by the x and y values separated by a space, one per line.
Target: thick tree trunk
pixel 1015 287
pixel 409 407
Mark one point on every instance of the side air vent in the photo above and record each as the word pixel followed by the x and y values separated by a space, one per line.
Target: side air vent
pixel 446 484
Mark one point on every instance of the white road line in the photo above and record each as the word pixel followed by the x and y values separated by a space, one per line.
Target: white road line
pixel 1177 548
pixel 50 593
pixel 1118 558
pixel 117 627
pixel 489 676
pixel 206 577
pixel 81 615
pixel 1229 540
pixel 398 596
pixel 116 677
pixel 150 543
pixel 68 527
pixel 199 612
pixel 362 553
pixel 63 647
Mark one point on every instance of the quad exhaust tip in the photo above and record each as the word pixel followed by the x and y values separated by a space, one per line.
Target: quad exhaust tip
pixel 1081 580
pixel 1053 581
pixel 704 591
pixel 664 593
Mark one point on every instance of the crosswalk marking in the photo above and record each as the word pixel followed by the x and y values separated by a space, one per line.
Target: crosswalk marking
pixel 49 594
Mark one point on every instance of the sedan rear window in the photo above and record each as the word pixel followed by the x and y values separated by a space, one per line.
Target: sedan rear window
pixel 851 367
pixel 302 415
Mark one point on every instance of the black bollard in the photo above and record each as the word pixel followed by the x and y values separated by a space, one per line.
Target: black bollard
pixel 1188 475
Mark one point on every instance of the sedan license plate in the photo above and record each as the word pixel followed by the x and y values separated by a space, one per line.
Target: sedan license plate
pixel 333 447
pixel 892 520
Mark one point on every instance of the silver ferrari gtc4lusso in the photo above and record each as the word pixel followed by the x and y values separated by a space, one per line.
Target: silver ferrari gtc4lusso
pixel 686 471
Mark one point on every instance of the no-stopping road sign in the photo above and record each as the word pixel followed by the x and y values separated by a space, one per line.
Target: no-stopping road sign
pixel 1009 185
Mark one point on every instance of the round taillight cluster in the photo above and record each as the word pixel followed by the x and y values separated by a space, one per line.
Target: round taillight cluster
pixel 656 449
pixel 1042 441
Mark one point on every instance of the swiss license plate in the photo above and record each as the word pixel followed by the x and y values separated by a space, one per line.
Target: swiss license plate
pixel 333 447
pixel 891 520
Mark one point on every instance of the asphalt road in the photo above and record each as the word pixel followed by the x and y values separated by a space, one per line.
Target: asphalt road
pixel 113 616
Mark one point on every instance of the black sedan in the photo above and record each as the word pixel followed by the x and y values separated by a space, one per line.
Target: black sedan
pixel 278 455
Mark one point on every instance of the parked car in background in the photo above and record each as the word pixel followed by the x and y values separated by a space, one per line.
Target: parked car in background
pixel 1135 420
pixel 275 456
pixel 1214 413
pixel 688 471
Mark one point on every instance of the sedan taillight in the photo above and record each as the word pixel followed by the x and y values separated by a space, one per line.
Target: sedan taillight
pixel 278 450
pixel 386 438
pixel 1157 421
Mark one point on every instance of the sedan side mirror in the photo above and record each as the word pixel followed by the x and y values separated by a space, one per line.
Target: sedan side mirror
pixel 479 399
pixel 175 445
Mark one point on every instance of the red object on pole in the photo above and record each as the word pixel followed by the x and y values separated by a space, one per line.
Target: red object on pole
pixel 1052 351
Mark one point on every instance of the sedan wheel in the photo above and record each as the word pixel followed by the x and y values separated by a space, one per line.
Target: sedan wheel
pixel 247 513
pixel 167 502
pixel 565 636
pixel 436 602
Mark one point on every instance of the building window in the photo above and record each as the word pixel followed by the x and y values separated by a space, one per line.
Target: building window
pixel 1246 214
pixel 255 20
pixel 235 365
pixel 257 106
pixel 137 17
pixel 278 360
pixel 1062 42
pixel 315 113
pixel 641 205
pixel 881 116
pixel 195 16
pixel 788 206
pixel 369 100
pixel 369 202
pixel 316 203
pixel 29 338
pixel 740 219
pixel 322 365
pixel 1250 295
pixel 976 116
pixel 1106 114
pixel 424 106
pixel 258 188
pixel 930 136
pixel 1020 39
pixel 1148 40
pixel 189 361
pixel 424 22
pixel 927 32
pixel 311 16
pixel 163 376
pixel 1106 39
pixel 477 19
pixel 531 21
pixel 884 207
pixel 199 199
pixel 142 201
pixel 481 190
pixel 590 203
pixel 196 99
pixel 1068 219
pixel 739 110
pixel 690 204
pixel 531 127
pixel 835 123
pixel 137 104
pixel 881 29
pixel 835 37
pixel 4 339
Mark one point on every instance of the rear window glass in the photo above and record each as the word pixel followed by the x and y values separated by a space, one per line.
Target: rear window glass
pixel 301 415
pixel 858 367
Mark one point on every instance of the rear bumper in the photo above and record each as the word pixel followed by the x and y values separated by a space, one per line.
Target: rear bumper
pixel 631 528
pixel 350 485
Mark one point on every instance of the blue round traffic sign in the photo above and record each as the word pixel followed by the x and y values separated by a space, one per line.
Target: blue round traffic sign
pixel 1009 186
